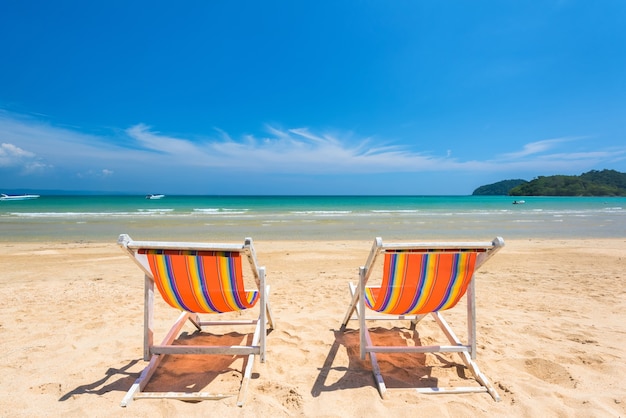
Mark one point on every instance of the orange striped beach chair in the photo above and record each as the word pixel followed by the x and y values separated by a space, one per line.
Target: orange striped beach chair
pixel 418 279
pixel 198 278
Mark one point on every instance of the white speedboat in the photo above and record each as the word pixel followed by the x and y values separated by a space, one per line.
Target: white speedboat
pixel 155 196
pixel 18 196
pixel 519 202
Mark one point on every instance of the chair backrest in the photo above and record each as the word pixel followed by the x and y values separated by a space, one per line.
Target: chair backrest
pixel 420 278
pixel 200 281
pixel 417 282
pixel 197 277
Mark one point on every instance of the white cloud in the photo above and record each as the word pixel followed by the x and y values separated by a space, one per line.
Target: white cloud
pixel 551 157
pixel 33 145
pixel 294 150
pixel 11 155
pixel 534 148
pixel 303 151
pixel 155 141
pixel 25 162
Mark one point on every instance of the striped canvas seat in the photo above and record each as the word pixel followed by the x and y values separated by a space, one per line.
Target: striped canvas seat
pixel 419 279
pixel 418 283
pixel 200 281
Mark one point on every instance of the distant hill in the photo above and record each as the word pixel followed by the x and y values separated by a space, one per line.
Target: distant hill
pixel 501 188
pixel 593 183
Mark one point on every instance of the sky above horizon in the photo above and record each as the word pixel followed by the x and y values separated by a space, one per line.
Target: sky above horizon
pixel 324 97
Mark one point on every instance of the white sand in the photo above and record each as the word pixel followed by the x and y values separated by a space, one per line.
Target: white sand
pixel 551 336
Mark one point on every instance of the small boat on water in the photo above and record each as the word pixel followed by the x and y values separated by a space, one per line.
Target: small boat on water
pixel 18 196
pixel 519 202
pixel 155 196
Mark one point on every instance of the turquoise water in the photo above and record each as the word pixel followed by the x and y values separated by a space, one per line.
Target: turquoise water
pixel 103 218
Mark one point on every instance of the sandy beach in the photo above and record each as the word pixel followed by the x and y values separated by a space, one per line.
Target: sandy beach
pixel 551 336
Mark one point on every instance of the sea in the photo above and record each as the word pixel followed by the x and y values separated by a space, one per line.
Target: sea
pixel 88 218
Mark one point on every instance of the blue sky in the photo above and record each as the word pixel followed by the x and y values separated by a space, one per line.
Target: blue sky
pixel 297 97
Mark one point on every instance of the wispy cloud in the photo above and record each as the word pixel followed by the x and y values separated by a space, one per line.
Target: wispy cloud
pixel 307 152
pixel 560 156
pixel 152 140
pixel 538 147
pixel 30 144
pixel 293 150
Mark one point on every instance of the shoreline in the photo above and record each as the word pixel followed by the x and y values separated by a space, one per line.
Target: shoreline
pixel 550 334
pixel 100 219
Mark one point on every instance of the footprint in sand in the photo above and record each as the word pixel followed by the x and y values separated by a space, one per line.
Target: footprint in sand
pixel 288 396
pixel 550 372
pixel 47 389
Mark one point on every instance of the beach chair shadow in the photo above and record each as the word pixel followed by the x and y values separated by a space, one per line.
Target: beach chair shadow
pixel 180 373
pixel 351 376
pixel 399 373
pixel 191 373
pixel 107 384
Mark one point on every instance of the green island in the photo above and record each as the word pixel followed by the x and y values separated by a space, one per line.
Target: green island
pixel 592 183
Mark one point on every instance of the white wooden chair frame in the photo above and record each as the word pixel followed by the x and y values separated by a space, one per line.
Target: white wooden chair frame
pixel 467 352
pixel 154 353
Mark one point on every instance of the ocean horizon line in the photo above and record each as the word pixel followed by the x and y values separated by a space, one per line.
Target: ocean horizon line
pixel 55 192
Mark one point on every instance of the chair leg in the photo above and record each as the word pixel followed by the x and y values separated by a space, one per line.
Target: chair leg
pixel 364 335
pixel 262 313
pixel 268 310
pixel 378 377
pixel 415 321
pixel 467 358
pixel 479 376
pixel 243 390
pixel 353 305
pixel 148 317
pixel 142 380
